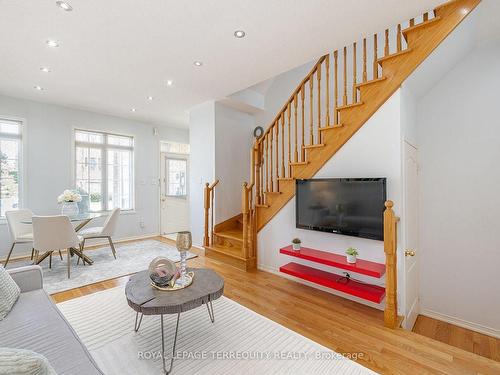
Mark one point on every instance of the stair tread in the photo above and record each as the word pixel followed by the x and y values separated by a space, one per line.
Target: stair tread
pixel 349 106
pixel 330 127
pixel 296 163
pixel 395 54
pixel 308 147
pixel 286 178
pixel 233 233
pixel 370 82
pixel 420 25
pixel 262 205
pixel 272 192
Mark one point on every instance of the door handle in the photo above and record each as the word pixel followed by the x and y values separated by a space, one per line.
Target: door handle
pixel 409 253
pixel 163 199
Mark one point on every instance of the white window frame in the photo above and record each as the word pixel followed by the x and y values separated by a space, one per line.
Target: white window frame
pixel 22 158
pixel 104 147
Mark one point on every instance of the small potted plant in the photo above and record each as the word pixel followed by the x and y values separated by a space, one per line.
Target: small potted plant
pixel 351 255
pixel 296 244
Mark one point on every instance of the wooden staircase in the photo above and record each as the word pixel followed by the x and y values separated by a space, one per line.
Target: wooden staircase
pixel 322 114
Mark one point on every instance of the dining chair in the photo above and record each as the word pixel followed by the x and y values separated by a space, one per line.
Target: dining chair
pixel 52 233
pixel 106 231
pixel 20 233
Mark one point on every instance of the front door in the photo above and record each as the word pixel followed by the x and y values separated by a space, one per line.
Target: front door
pixel 174 193
pixel 411 263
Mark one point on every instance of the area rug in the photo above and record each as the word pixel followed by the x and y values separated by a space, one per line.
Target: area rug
pixel 130 258
pixel 239 342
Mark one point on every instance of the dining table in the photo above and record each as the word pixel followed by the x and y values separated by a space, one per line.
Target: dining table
pixel 82 219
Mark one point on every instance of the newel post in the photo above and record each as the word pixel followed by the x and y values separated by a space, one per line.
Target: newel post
pixel 245 210
pixel 256 168
pixel 390 245
pixel 206 194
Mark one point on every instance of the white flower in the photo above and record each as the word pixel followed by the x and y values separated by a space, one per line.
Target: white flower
pixel 69 196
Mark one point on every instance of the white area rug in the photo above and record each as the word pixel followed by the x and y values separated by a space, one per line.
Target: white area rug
pixel 130 258
pixel 105 323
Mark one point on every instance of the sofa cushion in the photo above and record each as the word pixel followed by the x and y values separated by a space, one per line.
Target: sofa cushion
pixel 25 362
pixel 9 293
pixel 35 323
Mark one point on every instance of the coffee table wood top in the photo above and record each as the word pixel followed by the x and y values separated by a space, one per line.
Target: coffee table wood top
pixel 143 298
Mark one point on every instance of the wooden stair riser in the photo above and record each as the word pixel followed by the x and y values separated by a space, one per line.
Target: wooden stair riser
pixel 396 69
pixel 242 264
pixel 221 240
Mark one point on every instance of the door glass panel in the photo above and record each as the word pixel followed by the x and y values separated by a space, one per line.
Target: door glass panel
pixel 176 174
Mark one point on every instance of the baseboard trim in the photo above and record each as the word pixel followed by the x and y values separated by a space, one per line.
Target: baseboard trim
pixel 275 271
pixel 461 323
pixel 92 246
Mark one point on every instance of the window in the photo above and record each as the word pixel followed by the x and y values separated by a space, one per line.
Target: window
pixel 104 170
pixel 10 173
pixel 176 173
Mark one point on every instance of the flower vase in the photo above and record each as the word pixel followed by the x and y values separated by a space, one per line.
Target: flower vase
pixel 70 209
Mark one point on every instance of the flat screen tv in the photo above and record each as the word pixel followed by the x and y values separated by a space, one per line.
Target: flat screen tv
pixel 350 206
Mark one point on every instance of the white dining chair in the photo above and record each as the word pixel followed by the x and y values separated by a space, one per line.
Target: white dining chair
pixel 106 231
pixel 53 233
pixel 20 233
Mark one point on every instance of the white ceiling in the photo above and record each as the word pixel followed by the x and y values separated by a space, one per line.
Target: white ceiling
pixel 113 54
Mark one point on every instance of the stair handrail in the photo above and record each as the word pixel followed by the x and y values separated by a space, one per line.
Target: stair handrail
pixel 209 195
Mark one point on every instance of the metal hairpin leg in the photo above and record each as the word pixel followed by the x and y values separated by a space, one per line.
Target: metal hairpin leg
pixel 136 327
pixel 210 309
pixel 163 345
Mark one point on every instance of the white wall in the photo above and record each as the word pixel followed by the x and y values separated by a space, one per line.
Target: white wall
pixel 374 151
pixel 48 161
pixel 202 163
pixel 233 141
pixel 459 138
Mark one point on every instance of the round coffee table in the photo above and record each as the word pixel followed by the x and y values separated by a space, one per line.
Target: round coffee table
pixel 207 286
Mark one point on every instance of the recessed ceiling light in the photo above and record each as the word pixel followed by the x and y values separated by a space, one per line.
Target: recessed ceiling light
pixel 239 34
pixel 52 43
pixel 170 82
pixel 64 5
pixel 45 69
pixel 198 63
pixel 39 88
pixel 133 109
pixel 150 98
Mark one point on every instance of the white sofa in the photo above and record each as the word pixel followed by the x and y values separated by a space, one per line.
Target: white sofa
pixel 36 324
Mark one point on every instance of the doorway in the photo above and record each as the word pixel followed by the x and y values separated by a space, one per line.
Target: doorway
pixel 411 261
pixel 174 188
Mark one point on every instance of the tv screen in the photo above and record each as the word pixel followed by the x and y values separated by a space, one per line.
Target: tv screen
pixel 350 206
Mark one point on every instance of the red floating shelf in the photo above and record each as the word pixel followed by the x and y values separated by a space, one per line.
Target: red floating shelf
pixel 363 267
pixel 373 293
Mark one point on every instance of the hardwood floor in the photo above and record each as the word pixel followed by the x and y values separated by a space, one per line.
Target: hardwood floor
pixel 459 337
pixel 340 324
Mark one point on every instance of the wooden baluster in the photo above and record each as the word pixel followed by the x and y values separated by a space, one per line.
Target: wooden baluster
pixel 318 139
pixel 398 40
pixel 267 162
pixel 302 97
pixel 271 159
pixel 344 98
pixel 335 88
pixel 206 206
pixel 426 16
pixel 296 153
pixel 311 124
pixel 375 56
pixel 282 145
pixel 212 194
pixel 245 210
pixel 354 74
pixel 327 67
pixel 289 108
pixel 386 49
pixel 364 60
pixel 412 22
pixel 257 157
pixel 277 154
